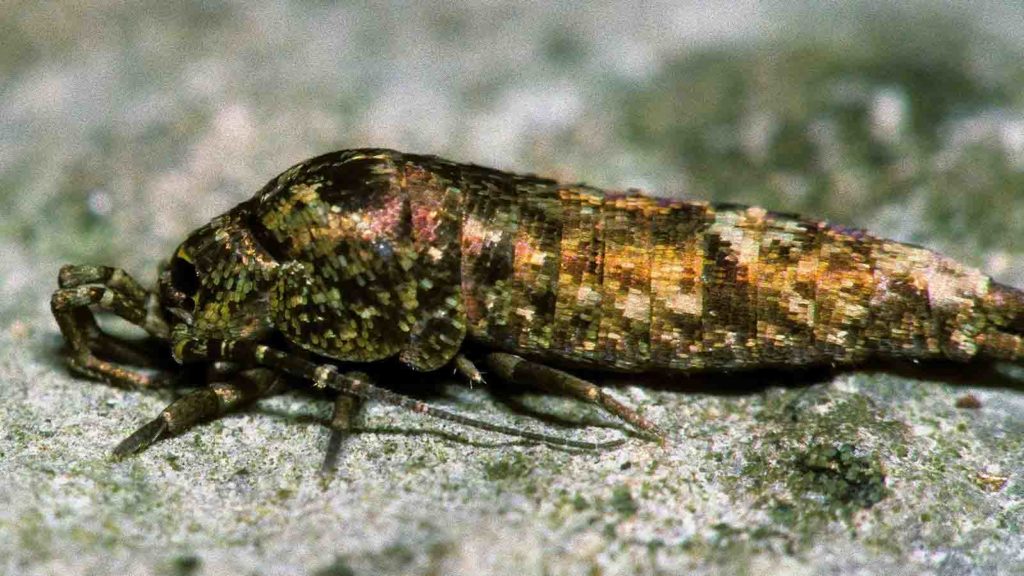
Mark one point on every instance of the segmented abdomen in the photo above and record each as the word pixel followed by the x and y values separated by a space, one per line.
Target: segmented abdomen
pixel 628 282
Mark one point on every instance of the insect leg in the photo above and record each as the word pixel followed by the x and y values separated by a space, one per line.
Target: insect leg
pixel 346 410
pixel 206 403
pixel 145 353
pixel 70 308
pixel 520 371
pixel 354 384
pixel 73 276
pixel 111 289
pixel 110 348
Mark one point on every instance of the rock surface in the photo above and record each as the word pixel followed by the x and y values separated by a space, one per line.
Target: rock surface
pixel 123 126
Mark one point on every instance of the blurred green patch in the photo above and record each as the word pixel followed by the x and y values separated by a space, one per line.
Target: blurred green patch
pixel 622 501
pixel 73 221
pixel 846 479
pixel 512 467
pixel 819 458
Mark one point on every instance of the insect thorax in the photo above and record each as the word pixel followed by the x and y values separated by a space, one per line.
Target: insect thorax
pixel 348 255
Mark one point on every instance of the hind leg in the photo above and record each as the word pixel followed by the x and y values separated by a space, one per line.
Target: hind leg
pixel 200 405
pixel 526 373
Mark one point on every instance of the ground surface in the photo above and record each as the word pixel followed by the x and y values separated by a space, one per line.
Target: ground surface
pixel 123 126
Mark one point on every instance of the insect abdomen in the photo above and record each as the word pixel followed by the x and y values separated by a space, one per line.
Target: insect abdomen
pixel 633 283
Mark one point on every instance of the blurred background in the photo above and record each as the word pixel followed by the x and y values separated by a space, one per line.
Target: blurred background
pixel 124 125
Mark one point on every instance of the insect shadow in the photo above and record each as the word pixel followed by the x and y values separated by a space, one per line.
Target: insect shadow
pixel 977 374
pixel 984 374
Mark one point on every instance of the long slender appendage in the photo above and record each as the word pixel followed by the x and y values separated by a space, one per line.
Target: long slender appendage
pixel 327 376
pixel 343 419
pixel 523 372
pixel 204 404
pixel 113 290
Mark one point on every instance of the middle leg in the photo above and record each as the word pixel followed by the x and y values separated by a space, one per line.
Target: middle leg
pixel 346 410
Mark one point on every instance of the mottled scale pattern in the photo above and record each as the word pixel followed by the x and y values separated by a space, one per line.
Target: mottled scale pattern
pixel 575 275
pixel 576 321
pixel 625 329
pixel 303 219
pixel 677 283
pixel 731 248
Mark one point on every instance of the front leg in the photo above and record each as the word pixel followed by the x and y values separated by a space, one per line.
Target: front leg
pixel 113 290
pixel 207 403
pixel 73 276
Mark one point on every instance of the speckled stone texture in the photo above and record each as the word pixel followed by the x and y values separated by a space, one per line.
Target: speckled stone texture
pixel 124 126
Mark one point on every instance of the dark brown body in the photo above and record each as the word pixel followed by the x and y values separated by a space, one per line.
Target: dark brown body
pixel 364 255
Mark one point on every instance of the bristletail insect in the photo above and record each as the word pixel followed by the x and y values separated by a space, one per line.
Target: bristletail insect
pixel 370 255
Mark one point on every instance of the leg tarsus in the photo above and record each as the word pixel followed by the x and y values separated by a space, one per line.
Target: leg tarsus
pixel 96 369
pixel 343 419
pixel 521 371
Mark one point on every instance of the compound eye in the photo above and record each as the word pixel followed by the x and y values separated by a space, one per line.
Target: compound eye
pixel 184 278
